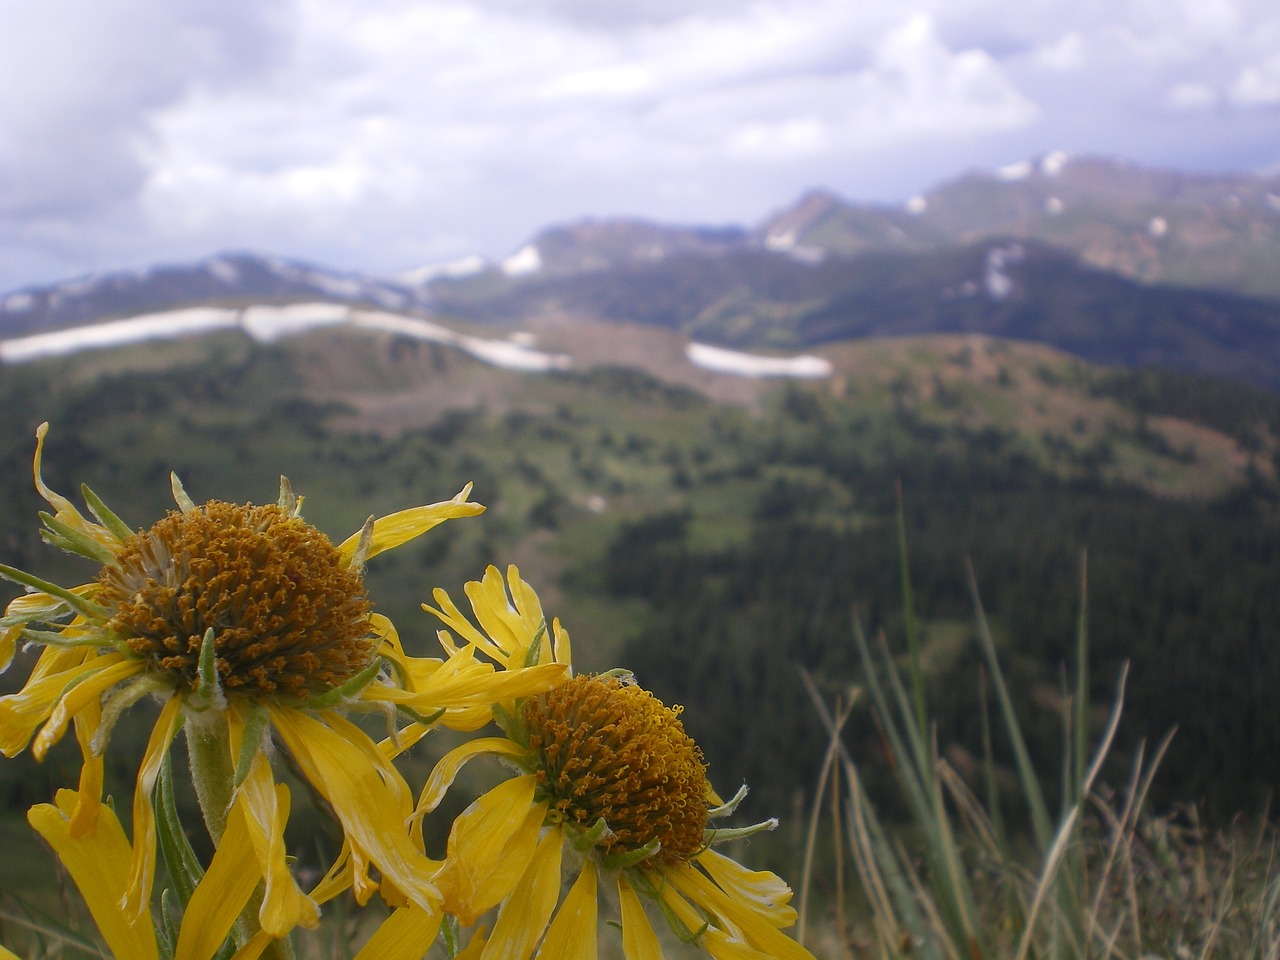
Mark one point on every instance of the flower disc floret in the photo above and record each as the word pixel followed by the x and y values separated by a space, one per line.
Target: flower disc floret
pixel 607 749
pixel 290 617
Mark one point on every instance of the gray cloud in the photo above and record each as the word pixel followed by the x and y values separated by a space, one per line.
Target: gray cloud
pixel 383 133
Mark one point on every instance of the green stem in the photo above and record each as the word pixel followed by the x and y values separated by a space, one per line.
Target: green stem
pixel 213 775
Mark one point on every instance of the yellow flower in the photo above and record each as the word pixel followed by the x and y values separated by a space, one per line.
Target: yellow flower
pixel 610 786
pixel 99 861
pixel 241 620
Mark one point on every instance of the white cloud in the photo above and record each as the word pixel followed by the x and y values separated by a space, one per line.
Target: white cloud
pixel 1258 84
pixel 1190 95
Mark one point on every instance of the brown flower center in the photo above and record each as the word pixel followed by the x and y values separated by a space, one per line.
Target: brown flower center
pixel 612 750
pixel 290 617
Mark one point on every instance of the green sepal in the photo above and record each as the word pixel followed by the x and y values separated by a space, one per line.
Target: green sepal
pixel 346 690
pixel 511 725
pixel 589 839
pixel 184 502
pixel 56 638
pixel 725 834
pixel 287 500
pixel 169 924
pixel 642 883
pixel 105 515
pixel 208 683
pixel 185 871
pixel 426 720
pixel 86 608
pixel 620 861
pixel 715 813
pixel 450 931
pixel 254 727
pixel 533 654
pixel 363 545
pixel 120 701
pixel 65 537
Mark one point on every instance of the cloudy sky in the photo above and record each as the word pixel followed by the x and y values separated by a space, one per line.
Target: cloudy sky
pixel 380 135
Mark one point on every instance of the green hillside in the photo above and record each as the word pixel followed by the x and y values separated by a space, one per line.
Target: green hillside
pixel 712 533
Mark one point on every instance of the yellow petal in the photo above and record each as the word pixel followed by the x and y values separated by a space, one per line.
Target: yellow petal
pixel 63 508
pixel 639 942
pixel 222 892
pixel 463 683
pixel 110 669
pixel 573 934
pixel 448 767
pixel 448 613
pixel 54 672
pixel 144 818
pixel 766 893
pixel 524 916
pixel 266 808
pixel 99 864
pixel 744 919
pixel 718 943
pixel 404 935
pixel 7 954
pixel 8 647
pixel 91 771
pixel 512 627
pixel 368 796
pixel 399 528
pixel 490 846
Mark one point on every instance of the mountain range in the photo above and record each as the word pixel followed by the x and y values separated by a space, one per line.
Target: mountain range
pixel 1117 263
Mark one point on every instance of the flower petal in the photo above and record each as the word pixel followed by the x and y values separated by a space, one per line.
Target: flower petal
pixel 99 863
pixel 64 510
pixel 144 818
pixel 524 916
pixel 572 934
pixel 112 668
pixel 490 845
pixel 447 767
pixel 266 808
pixel 398 528
pixel 368 796
pixel 765 892
pixel 404 935
pixel 639 942
pixel 222 892
pixel 718 943
pixel 22 712
pixel 753 926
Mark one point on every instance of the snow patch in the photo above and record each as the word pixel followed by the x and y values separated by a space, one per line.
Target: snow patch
pixel 1054 162
pixel 524 261
pixel 1013 172
pixel 1053 206
pixel 268 324
pixel 508 354
pixel 154 326
pixel 998 283
pixel 462 267
pixel 1158 227
pixel 224 270
pixel 18 302
pixel 917 205
pixel 719 360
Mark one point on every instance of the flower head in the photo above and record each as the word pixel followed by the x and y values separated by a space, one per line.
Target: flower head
pixel 610 785
pixel 245 621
